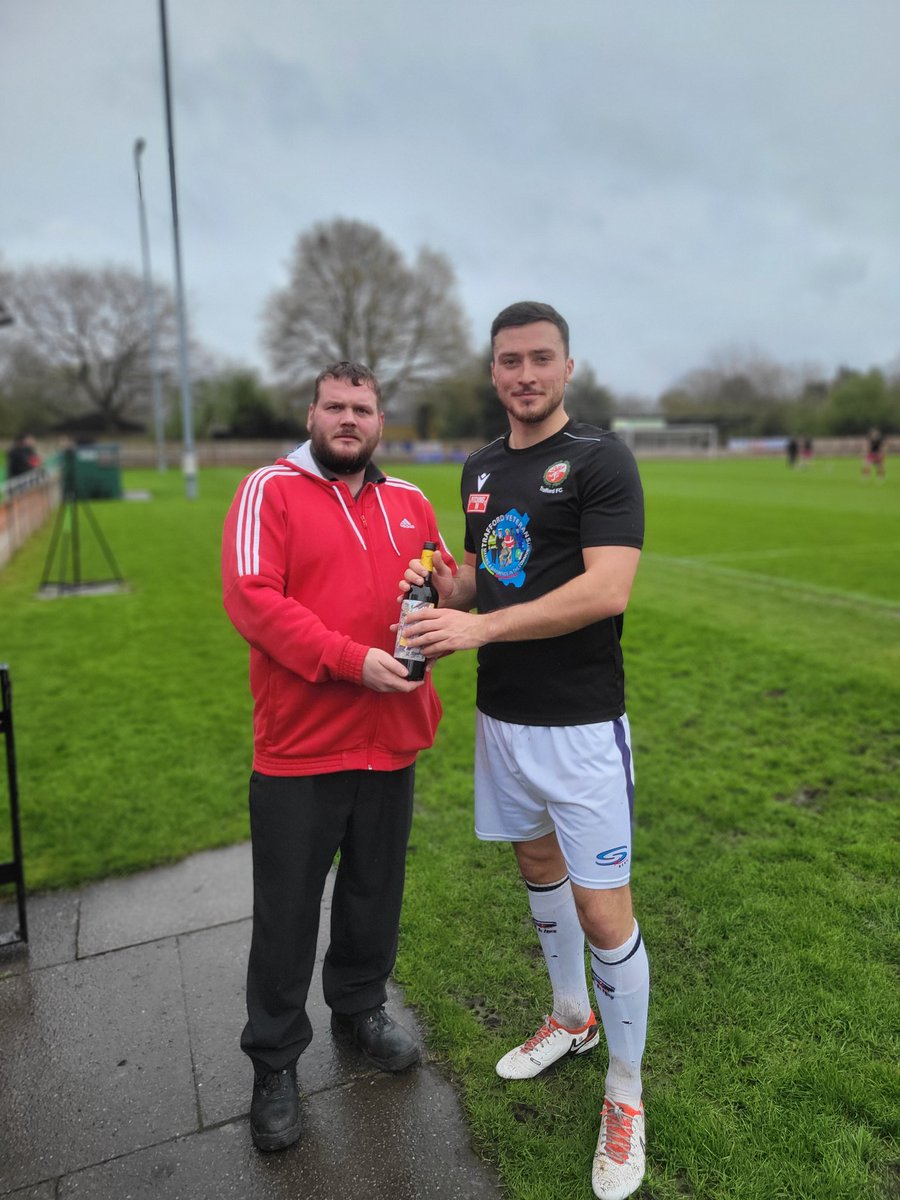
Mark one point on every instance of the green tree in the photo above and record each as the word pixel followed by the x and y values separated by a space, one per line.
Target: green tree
pixel 808 414
pixel 588 400
pixel 465 404
pixel 858 401
pixel 235 403
pixel 743 392
pixel 31 393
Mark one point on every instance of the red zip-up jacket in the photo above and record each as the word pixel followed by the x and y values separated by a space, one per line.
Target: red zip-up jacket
pixel 310 579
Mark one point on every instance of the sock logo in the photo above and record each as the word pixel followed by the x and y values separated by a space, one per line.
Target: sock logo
pixel 606 988
pixel 544 926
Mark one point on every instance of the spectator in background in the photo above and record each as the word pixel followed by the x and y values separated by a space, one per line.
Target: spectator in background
pixel 22 456
pixel 806 452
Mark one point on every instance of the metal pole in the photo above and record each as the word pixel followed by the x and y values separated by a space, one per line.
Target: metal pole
pixel 14 871
pixel 189 458
pixel 151 315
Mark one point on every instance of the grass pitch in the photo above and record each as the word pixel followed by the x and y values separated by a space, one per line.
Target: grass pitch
pixel 763 666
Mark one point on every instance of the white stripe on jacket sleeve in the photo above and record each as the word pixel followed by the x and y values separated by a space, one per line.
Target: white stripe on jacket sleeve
pixel 248 523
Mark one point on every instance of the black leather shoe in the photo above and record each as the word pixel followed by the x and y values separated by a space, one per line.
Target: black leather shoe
pixel 379 1037
pixel 275 1110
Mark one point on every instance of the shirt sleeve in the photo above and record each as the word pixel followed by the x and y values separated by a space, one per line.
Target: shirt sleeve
pixel 612 510
pixel 465 487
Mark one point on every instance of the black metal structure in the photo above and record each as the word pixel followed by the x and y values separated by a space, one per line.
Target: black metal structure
pixel 65 541
pixel 13 871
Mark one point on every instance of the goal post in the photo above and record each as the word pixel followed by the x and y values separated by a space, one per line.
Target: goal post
pixel 677 441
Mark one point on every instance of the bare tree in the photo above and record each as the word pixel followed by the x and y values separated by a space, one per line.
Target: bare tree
pixel 82 334
pixel 351 295
pixel 588 400
pixel 742 391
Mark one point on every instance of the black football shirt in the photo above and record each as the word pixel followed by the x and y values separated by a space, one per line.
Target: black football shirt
pixel 529 513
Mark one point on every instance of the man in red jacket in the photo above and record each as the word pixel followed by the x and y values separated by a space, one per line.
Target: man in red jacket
pixel 313 548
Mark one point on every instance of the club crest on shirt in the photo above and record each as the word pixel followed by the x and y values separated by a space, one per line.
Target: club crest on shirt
pixel 506 548
pixel 478 502
pixel 555 476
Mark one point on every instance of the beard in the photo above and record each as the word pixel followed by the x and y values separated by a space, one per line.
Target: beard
pixel 348 462
pixel 534 415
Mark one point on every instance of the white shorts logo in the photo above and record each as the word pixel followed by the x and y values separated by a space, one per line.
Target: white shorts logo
pixel 612 858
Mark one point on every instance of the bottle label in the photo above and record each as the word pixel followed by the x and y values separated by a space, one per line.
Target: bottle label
pixel 413 653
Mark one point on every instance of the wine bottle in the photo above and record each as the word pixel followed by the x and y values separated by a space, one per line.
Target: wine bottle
pixel 420 595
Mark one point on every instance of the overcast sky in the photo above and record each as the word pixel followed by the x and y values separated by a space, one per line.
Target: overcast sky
pixel 677 177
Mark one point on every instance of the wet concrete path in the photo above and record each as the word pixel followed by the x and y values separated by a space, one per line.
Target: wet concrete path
pixel 121 1077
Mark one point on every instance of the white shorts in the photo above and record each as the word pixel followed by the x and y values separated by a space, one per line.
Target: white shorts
pixel 576 780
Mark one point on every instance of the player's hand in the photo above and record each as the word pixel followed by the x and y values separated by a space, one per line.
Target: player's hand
pixel 383 673
pixel 439 631
pixel 430 656
pixel 441 577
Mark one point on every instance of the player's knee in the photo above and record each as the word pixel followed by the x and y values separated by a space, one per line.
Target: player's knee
pixel 606 916
pixel 541 861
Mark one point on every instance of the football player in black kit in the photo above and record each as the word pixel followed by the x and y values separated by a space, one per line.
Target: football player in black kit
pixel 554 528
pixel 874 455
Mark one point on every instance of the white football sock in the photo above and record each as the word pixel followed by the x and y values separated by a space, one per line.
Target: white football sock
pixel 622 987
pixel 562 941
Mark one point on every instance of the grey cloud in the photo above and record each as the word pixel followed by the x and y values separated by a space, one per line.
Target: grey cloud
pixel 674 176
pixel 837 272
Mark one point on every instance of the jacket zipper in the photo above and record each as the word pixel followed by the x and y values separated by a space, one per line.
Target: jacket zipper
pixel 376 707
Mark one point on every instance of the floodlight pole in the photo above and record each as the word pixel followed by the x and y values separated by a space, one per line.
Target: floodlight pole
pixel 189 457
pixel 151 315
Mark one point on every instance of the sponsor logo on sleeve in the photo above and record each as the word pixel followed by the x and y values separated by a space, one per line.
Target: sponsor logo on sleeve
pixel 478 502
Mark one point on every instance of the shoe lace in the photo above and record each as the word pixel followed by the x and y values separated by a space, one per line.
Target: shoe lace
pixel 548 1028
pixel 617 1128
pixel 275 1082
pixel 378 1019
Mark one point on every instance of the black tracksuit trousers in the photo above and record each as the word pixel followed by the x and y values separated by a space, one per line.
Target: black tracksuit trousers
pixel 297 825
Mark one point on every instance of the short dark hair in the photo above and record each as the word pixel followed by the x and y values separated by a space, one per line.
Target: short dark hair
pixel 526 312
pixel 356 373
